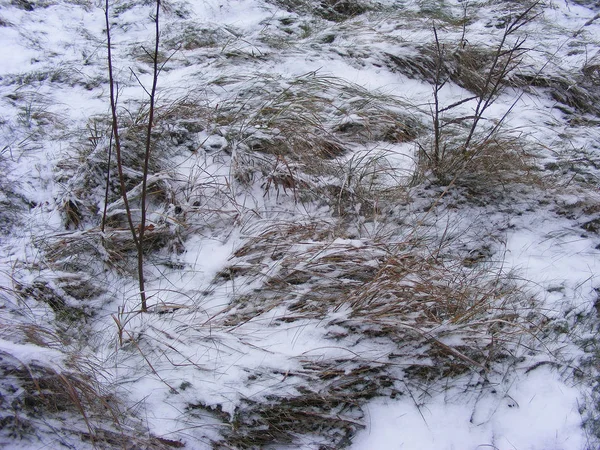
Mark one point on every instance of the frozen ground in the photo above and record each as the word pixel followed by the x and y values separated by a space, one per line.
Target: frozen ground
pixel 314 279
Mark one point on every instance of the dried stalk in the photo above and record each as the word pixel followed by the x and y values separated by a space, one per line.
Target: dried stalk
pixel 137 233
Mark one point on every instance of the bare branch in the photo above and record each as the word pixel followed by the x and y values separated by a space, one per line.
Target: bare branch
pixel 115 130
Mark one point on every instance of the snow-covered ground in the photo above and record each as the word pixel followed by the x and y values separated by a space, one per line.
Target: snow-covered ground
pixel 311 283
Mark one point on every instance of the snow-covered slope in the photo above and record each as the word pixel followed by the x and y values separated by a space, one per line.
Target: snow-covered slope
pixel 371 225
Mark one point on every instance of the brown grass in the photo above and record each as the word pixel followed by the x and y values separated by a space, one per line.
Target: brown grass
pixel 403 291
pixel 66 392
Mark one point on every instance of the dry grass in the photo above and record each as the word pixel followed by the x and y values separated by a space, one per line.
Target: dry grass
pixel 322 142
pixel 327 406
pixel 294 138
pixel 62 399
pixel 442 315
pixel 404 291
pixel 290 136
pixel 12 202
pixel 178 123
pixel 87 251
pixel 466 66
pixel 491 168
pixel 83 176
pixel 578 98
pixel 190 36
pixel 465 143
pixel 311 116
pixel 333 10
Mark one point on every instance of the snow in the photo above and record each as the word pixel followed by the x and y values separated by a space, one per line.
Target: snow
pixel 537 412
pixel 28 354
pixel 185 352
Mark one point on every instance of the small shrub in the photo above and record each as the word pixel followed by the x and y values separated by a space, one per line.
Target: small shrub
pixel 464 143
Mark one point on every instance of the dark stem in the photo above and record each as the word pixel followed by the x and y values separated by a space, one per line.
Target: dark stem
pixel 147 161
pixel 106 191
pixel 436 90
pixel 138 240
pixel 115 130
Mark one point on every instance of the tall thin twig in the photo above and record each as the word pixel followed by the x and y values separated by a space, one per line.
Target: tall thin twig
pixel 107 188
pixel 503 63
pixel 115 128
pixel 147 160
pixel 139 232
pixel 505 59
pixel 438 85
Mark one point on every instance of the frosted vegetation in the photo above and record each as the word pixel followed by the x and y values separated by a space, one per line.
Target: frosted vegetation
pixel 302 224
